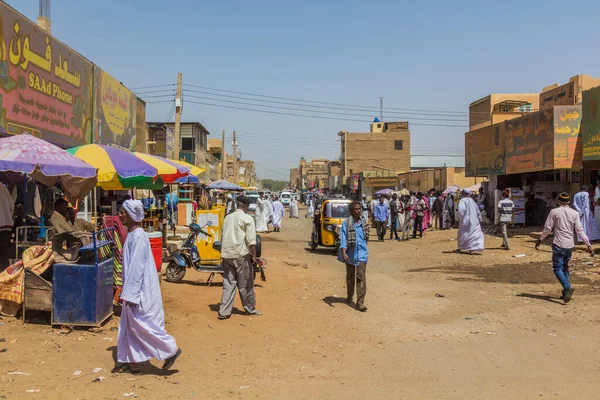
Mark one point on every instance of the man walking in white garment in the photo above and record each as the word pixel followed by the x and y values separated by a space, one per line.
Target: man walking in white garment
pixel 238 252
pixel 142 334
pixel 261 214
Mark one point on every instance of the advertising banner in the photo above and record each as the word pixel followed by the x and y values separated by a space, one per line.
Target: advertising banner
pixel 115 113
pixel 590 124
pixel 45 86
pixel 530 143
pixel 485 151
pixel 563 95
pixel 567 137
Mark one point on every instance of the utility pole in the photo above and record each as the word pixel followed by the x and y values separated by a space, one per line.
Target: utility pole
pixel 178 117
pixel 223 156
pixel 235 160
pixel 381 109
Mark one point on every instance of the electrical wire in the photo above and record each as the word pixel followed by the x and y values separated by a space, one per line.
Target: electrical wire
pixel 152 87
pixel 309 116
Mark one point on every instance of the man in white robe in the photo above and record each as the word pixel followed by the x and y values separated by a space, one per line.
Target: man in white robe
pixel 311 207
pixel 294 207
pixel 581 203
pixel 142 334
pixel 269 213
pixel 470 235
pixel 278 213
pixel 261 214
pixel 597 204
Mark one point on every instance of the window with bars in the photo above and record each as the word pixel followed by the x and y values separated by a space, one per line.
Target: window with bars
pixel 398 144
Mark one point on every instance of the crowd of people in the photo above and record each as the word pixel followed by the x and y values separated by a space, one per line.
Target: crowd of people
pixel 270 211
pixel 409 215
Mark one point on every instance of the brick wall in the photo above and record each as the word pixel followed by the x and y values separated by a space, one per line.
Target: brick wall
pixel 367 151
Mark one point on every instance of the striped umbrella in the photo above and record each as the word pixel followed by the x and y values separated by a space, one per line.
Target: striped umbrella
pixel 193 169
pixel 117 169
pixel 168 171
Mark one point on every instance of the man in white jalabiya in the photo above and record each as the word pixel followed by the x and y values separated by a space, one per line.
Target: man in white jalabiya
pixel 311 207
pixel 294 207
pixel 581 203
pixel 364 207
pixel 142 334
pixel 278 213
pixel 261 214
pixel 470 235
pixel 269 207
pixel 597 204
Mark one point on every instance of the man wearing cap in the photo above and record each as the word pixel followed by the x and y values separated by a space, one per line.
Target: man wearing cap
pixel 142 334
pixel 563 221
pixel 238 252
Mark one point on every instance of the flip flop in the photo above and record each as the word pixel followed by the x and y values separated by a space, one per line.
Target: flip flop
pixel 125 369
pixel 171 360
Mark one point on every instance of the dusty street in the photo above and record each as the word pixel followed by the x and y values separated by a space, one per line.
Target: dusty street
pixel 439 325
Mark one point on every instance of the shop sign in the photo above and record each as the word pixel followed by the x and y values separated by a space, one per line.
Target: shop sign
pixel 567 137
pixel 485 151
pixel 590 124
pixel 530 143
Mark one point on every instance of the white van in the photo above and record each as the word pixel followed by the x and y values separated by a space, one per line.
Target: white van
pixel 285 198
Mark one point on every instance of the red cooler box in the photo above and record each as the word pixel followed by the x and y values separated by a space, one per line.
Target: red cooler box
pixel 156 244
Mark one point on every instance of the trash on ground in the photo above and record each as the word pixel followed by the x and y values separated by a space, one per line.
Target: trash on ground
pixel 32 391
pixel 520 255
pixel 439 295
pixel 77 373
pixel 99 379
pixel 491 333
pixel 96 370
pixel 19 373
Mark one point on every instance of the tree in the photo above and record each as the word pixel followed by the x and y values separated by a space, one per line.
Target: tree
pixel 273 185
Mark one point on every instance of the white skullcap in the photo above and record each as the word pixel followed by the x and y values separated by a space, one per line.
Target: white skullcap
pixel 466 191
pixel 135 209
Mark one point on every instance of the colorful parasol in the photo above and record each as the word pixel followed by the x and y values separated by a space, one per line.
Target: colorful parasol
pixel 224 185
pixel 117 169
pixel 169 171
pixel 46 163
pixel 193 169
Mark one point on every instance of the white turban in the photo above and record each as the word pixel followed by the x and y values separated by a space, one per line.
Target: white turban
pixel 466 192
pixel 135 209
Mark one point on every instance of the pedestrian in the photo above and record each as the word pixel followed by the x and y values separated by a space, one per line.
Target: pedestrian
pixel 505 209
pixel 420 209
pixel 394 209
pixel 278 213
pixel 581 202
pixel 448 211
pixel 238 252
pixel 354 252
pixel 381 218
pixel 294 207
pixel 142 334
pixel 364 207
pixel 372 205
pixel 438 212
pixel 7 210
pixel 470 235
pixel 261 213
pixel 563 221
pixel 432 199
pixel 405 216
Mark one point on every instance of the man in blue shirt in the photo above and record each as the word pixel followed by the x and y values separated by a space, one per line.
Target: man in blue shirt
pixel 355 254
pixel 381 215
pixel 172 200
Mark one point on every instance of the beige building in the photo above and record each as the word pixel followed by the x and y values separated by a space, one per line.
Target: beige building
pixel 334 169
pixel 569 94
pixel 294 178
pixel 495 108
pixel 385 147
pixel 314 174
pixel 246 175
pixel 437 178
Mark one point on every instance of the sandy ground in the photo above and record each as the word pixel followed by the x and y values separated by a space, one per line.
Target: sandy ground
pixel 439 325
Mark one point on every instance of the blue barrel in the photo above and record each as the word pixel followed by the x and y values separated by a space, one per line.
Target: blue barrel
pixel 82 294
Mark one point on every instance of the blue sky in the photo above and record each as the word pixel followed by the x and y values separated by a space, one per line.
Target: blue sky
pixel 428 55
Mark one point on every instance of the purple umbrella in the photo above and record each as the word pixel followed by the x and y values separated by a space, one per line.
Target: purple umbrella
pixel 46 163
pixel 384 192
pixel 224 185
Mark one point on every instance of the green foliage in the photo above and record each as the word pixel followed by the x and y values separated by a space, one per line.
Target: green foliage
pixel 273 185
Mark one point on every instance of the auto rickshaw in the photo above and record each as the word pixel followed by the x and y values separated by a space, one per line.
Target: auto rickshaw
pixel 327 223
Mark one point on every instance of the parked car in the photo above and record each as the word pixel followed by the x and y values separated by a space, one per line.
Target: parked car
pixel 286 197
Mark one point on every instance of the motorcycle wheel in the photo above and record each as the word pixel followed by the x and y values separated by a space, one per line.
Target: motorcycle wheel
pixel 174 272
pixel 313 244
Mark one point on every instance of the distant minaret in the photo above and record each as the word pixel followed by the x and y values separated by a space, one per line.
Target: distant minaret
pixel 44 16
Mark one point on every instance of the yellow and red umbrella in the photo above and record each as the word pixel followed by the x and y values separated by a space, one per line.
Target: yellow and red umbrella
pixel 193 169
pixel 169 171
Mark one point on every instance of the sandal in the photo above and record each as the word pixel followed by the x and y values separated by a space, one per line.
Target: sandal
pixel 125 369
pixel 171 360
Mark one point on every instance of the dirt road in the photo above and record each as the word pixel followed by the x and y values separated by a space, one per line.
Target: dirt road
pixel 439 325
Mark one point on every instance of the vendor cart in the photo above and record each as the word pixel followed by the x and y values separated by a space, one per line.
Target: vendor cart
pixel 81 292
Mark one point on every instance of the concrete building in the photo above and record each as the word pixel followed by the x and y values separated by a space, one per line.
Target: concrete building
pixel 495 108
pixel 246 175
pixel 385 148
pixel 334 169
pixel 215 149
pixel 294 178
pixel 437 178
pixel 313 174
pixel 568 94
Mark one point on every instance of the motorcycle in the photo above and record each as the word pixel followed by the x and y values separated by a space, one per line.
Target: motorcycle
pixel 189 257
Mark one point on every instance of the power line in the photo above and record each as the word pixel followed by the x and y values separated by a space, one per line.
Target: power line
pixel 321 102
pixel 317 106
pixel 309 116
pixel 151 87
pixel 318 111
pixel 158 102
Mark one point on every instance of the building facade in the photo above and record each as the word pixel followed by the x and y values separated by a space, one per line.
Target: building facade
pixel 568 94
pixel 294 179
pixel 496 108
pixel 313 174
pixel 437 178
pixel 246 174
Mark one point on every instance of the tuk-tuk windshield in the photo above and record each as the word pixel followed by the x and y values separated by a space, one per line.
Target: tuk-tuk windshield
pixel 337 210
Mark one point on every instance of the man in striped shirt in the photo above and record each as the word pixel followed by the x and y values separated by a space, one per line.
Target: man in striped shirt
pixel 505 208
